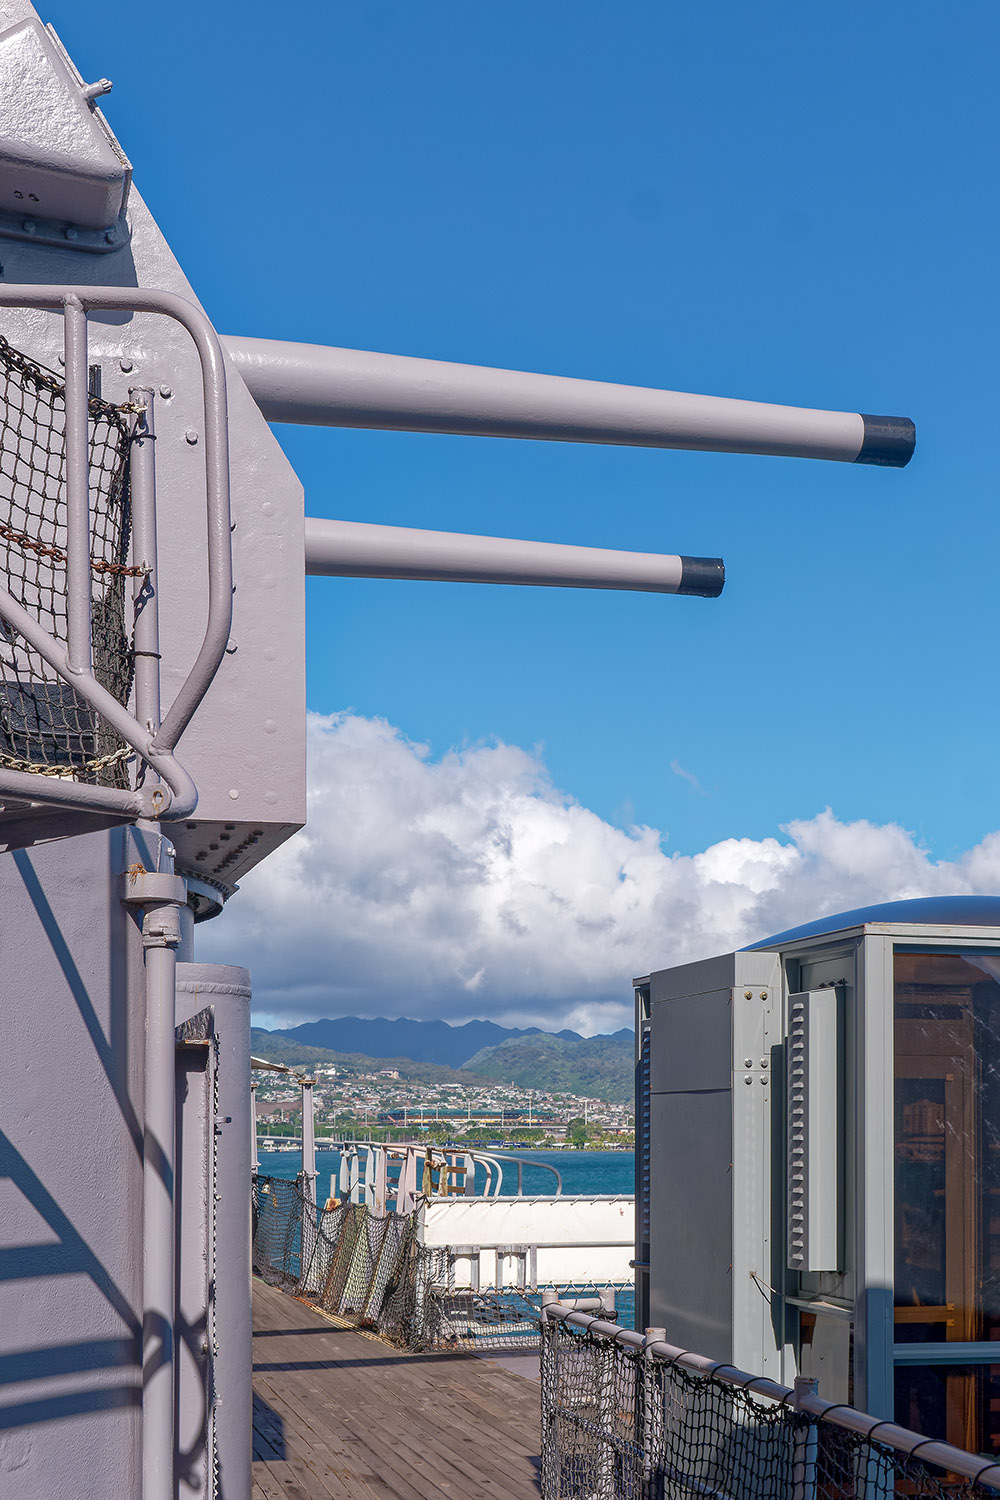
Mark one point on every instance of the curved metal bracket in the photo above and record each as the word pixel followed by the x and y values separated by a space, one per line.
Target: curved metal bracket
pixel 176 796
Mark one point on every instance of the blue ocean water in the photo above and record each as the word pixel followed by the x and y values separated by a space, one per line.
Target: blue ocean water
pixel 583 1172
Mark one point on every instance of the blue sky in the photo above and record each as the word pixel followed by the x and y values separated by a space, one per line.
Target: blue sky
pixel 784 202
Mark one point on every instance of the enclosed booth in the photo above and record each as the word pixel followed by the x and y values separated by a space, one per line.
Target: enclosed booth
pixel 818 1160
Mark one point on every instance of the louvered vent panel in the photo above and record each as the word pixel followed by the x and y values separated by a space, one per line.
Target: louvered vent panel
pixel 798 1125
pixel 642 1161
pixel 815 1129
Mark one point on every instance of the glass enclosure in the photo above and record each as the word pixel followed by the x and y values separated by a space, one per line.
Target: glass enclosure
pixel 947 1195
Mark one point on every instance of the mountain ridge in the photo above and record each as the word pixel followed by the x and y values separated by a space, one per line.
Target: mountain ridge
pixel 422 1041
pixel 598 1067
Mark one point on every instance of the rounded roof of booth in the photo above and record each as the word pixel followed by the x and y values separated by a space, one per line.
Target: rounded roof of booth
pixel 932 911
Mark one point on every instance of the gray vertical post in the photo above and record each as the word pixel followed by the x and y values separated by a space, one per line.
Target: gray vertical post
pixel 161 896
pixel 145 592
pixel 651 1412
pixel 308 1178
pixel 549 1381
pixel 227 990
pixel 254 1158
pixel 78 632
pixel 874 1255
pixel 308 1140
pixel 607 1356
pixel 806 1445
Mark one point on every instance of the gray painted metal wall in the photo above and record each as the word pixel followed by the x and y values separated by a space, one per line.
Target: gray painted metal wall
pixel 71 1213
pixel 714 1027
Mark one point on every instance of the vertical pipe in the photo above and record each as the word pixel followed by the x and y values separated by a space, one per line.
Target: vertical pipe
pixel 145 601
pixel 308 1140
pixel 308 1180
pixel 254 1158
pixel 78 632
pixel 160 937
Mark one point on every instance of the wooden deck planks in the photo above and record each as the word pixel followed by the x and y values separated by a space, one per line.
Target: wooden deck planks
pixel 339 1415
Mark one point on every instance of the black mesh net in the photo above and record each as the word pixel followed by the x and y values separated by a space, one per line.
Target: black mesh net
pixel 617 1425
pixel 364 1268
pixel 372 1271
pixel 46 727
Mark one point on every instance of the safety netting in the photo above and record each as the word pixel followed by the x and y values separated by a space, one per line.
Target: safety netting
pixel 371 1270
pixel 618 1424
pixel 46 726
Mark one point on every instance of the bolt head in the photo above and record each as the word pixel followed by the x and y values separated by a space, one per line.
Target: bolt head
pixel 166 392
pixel 126 366
pixel 748 994
pixel 191 436
pixel 748 1079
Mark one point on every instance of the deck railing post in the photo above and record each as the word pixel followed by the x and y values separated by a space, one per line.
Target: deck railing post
pixel 805 1444
pixel 650 1416
pixel 254 1157
pixel 549 1381
pixel 607 1356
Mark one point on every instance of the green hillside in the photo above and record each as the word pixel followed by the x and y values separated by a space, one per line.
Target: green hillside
pixel 598 1067
pixel 277 1048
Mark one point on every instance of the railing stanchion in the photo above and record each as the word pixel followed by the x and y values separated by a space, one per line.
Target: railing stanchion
pixel 145 594
pixel 79 646
pixel 805 1444
pixel 650 1414
pixel 549 1381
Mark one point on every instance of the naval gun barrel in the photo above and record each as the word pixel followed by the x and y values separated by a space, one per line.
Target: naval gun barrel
pixel 316 385
pixel 356 549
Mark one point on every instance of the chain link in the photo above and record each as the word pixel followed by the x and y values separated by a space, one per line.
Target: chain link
pixel 101 763
pixel 46 549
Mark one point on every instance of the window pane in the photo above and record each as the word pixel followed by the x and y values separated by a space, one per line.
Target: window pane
pixel 959 1404
pixel 947 1183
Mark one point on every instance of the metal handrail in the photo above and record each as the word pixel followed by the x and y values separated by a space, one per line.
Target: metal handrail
pixel 837 1413
pixel 73 663
pixel 492 1164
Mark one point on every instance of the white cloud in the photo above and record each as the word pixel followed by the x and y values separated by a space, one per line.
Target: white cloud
pixel 471 886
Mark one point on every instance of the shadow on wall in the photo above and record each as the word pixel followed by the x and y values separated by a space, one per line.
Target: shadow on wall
pixel 68 1254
